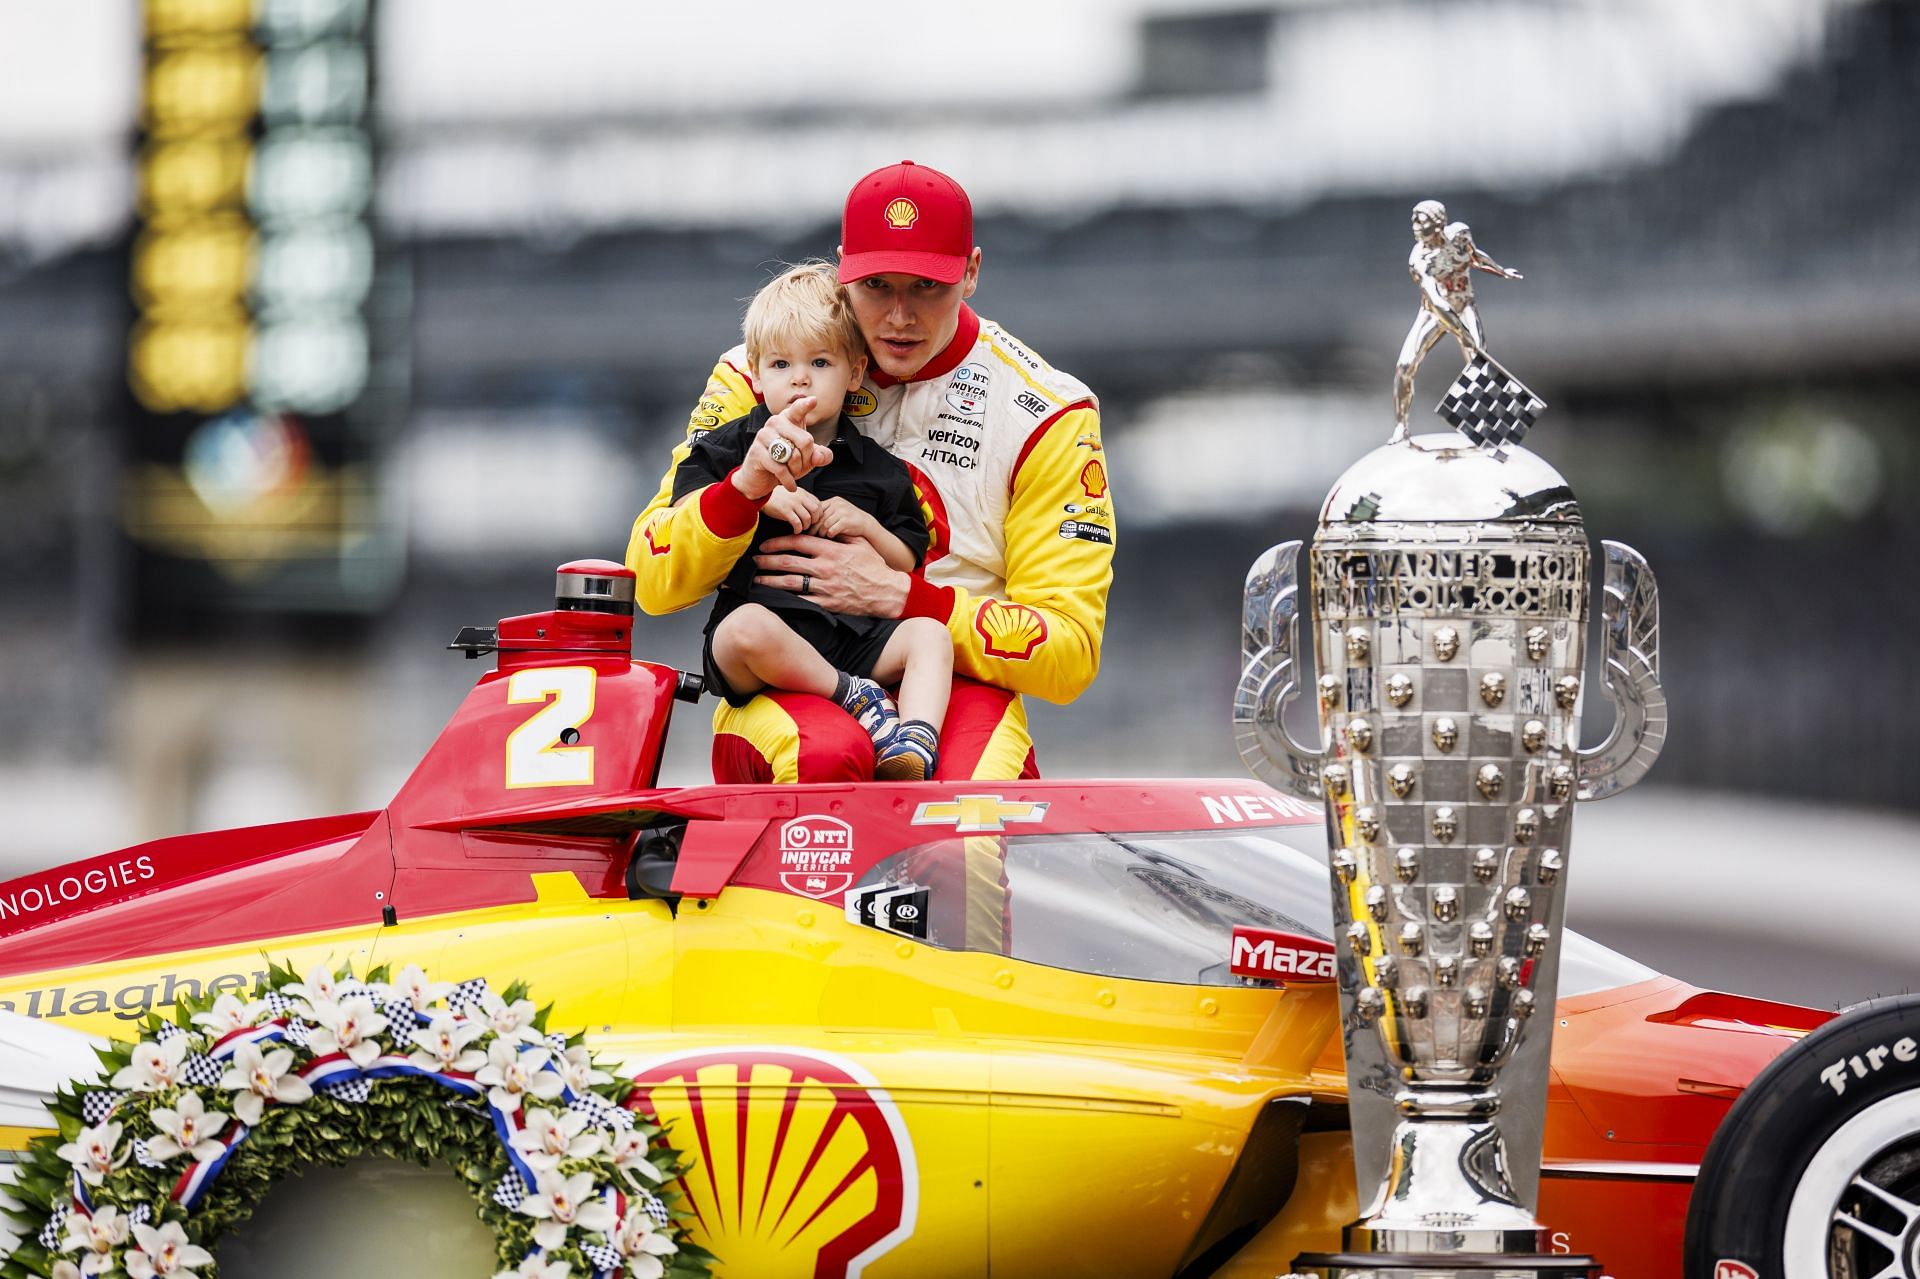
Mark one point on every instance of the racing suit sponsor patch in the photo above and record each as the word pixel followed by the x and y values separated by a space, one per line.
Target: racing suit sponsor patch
pixel 1087 531
pixel 1011 631
pixel 1032 403
pixel 1093 479
pixel 968 390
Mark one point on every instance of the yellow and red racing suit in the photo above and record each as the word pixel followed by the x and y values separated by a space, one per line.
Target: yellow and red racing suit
pixel 1006 456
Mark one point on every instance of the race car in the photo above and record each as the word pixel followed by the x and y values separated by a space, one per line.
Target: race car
pixel 1067 1027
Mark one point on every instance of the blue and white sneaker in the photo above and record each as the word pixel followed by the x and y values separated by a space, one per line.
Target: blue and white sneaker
pixel 872 709
pixel 911 756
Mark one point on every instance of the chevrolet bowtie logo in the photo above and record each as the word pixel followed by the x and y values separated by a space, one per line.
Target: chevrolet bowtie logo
pixel 970 814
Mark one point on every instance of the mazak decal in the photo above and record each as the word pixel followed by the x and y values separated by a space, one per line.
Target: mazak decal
pixel 978 814
pixel 1093 479
pixel 816 856
pixel 1288 957
pixel 1863 1065
pixel 968 390
pixel 860 402
pixel 1011 631
pixel 796 1153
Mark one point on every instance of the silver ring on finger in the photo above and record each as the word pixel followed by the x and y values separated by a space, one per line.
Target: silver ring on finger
pixel 780 451
pixel 806 583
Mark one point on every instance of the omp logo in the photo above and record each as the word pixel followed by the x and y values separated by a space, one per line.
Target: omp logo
pixel 796 1154
pixel 816 855
pixel 1093 479
pixel 902 213
pixel 1260 952
pixel 1032 403
pixel 1863 1065
pixel 973 814
pixel 1011 631
pixel 1729 1269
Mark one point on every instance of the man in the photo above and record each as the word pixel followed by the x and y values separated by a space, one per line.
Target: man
pixel 1006 455
pixel 1442 263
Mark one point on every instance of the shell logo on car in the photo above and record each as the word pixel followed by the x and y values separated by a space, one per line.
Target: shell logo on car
pixel 793 1153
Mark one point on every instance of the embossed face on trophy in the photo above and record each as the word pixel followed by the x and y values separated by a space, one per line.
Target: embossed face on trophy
pixel 1450 586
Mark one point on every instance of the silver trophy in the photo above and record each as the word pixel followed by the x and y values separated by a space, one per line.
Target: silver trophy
pixel 1450 600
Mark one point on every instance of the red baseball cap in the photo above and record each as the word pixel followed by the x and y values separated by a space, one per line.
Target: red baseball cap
pixel 906 217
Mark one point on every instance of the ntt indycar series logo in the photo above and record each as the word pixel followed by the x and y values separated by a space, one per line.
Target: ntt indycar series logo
pixel 816 856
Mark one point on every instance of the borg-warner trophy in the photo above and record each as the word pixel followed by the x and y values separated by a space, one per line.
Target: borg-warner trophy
pixel 1449 583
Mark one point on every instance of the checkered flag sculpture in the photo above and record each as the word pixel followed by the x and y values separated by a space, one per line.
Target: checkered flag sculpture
pixel 1490 406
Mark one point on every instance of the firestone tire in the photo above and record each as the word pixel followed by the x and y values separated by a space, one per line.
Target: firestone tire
pixel 1816 1171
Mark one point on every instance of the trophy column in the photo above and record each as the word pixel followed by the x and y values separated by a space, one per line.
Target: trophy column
pixel 1449 586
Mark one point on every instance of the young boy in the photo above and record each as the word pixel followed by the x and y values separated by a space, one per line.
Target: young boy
pixel 802 341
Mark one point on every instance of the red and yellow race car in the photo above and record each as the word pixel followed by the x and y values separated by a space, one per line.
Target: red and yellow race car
pixel 1062 1027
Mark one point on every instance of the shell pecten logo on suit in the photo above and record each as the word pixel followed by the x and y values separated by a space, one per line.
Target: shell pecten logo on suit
pixel 1011 631
pixel 794 1152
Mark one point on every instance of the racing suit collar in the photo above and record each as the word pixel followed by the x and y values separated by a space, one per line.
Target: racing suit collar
pixel 946 361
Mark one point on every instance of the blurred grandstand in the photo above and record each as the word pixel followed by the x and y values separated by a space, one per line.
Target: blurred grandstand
pixel 1199 208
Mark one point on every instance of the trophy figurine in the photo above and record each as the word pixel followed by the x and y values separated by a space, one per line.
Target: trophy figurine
pixel 1449 580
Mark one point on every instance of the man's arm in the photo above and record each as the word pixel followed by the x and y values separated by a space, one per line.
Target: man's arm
pixel 1043 637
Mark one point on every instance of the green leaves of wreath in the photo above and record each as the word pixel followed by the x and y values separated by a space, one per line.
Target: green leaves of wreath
pixel 191 1127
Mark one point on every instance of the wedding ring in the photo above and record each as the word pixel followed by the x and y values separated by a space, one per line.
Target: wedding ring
pixel 806 583
pixel 779 451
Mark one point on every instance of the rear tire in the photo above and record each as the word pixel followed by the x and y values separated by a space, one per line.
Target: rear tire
pixel 1815 1173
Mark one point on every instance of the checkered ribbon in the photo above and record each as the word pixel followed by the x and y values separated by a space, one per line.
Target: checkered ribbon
pixel 355 1091
pixel 602 1256
pixel 96 1106
pixel 298 1031
pixel 55 1230
pixel 511 1192
pixel 140 1215
pixel 281 1006
pixel 201 1071
pixel 558 1043
pixel 600 1112
pixel 168 1032
pixel 654 1207
pixel 467 995
pixel 1490 406
pixel 145 1160
pixel 400 1014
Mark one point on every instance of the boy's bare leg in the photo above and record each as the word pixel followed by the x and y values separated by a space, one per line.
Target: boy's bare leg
pixel 754 649
pixel 919 655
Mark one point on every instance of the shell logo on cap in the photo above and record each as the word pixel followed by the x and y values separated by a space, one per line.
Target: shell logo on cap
pixel 794 1154
pixel 902 213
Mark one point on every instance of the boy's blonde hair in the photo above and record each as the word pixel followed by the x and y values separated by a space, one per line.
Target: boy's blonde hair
pixel 804 304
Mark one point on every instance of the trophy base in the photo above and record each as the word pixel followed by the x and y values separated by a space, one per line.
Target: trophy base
pixel 1447 1265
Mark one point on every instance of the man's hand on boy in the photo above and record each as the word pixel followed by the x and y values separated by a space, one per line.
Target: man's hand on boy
pixel 759 474
pixel 840 519
pixel 796 506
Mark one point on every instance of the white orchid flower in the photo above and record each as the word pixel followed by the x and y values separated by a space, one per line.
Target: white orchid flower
pixel 64 1269
pixel 95 1238
pixel 630 1154
pixel 412 985
pixel 95 1152
pixel 321 986
pixel 576 1068
pixel 641 1241
pixel 229 1014
pixel 261 1077
pixel 347 1026
pixel 187 1130
pixel 155 1066
pixel 512 1072
pixel 564 1203
pixel 509 1020
pixel 442 1045
pixel 164 1251
pixel 534 1266
pixel 552 1136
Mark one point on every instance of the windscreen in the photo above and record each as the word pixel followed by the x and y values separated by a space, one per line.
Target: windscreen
pixel 1160 906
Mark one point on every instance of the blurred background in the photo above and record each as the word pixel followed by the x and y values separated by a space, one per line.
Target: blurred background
pixel 328 326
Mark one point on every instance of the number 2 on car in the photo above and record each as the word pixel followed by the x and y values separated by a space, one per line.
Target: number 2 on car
pixel 535 756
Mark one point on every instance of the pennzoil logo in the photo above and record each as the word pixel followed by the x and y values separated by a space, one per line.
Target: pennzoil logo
pixel 1011 631
pixel 797 1154
pixel 902 213
pixel 978 814
pixel 816 856
pixel 1093 479
pixel 860 402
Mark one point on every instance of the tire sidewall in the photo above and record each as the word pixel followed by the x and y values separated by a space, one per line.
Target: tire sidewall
pixel 1762 1148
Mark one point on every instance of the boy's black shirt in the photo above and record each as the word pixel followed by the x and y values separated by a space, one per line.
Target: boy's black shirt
pixel 862 472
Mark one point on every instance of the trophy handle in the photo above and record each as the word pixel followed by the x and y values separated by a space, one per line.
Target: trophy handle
pixel 1269 646
pixel 1631 666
